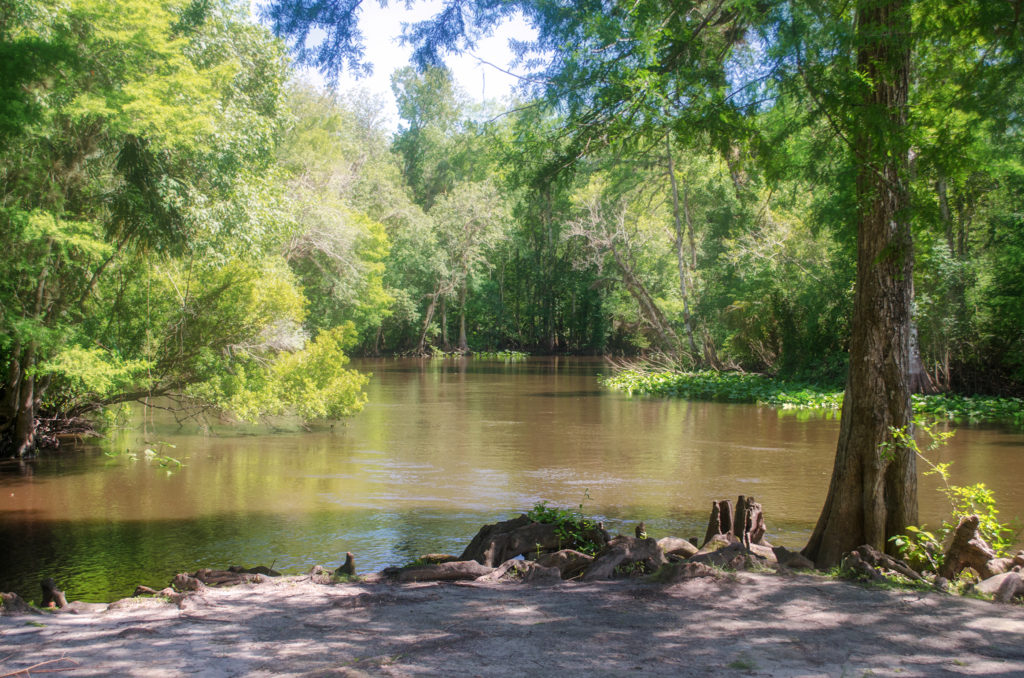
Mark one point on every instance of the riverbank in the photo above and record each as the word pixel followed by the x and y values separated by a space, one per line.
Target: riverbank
pixel 742 624
pixel 735 387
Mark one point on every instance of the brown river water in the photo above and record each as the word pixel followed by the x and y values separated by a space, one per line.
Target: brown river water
pixel 443 447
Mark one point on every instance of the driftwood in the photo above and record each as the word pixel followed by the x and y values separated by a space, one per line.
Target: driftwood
pixel 523 571
pixel 494 544
pixel 259 569
pixel 39 667
pixel 643 555
pixel 52 597
pixel 463 570
pixel 227 577
pixel 568 562
pixel 968 549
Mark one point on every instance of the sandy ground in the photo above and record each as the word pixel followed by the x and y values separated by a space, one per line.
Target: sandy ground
pixel 748 625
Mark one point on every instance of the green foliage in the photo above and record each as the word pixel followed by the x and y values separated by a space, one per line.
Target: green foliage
pixel 574 531
pixel 732 387
pixel 739 387
pixel 506 355
pixel 923 549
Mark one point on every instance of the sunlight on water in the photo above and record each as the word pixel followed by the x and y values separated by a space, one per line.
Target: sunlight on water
pixel 440 450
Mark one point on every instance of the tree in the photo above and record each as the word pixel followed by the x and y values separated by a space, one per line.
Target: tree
pixel 140 214
pixel 717 67
pixel 469 220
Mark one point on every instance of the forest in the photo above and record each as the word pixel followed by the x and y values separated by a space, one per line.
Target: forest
pixel 745 187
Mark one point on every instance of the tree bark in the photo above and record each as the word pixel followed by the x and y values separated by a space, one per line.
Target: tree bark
pixel 873 492
pixel 428 317
pixel 680 251
pixel 24 440
pixel 463 341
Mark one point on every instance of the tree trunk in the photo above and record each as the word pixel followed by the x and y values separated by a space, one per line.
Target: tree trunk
pixel 24 439
pixel 873 492
pixel 680 251
pixel 427 318
pixel 463 343
pixel 445 345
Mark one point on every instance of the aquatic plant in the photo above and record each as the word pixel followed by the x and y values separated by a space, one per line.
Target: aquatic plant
pixel 738 387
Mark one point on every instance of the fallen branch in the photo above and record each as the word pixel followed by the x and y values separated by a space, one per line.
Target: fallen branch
pixel 27 671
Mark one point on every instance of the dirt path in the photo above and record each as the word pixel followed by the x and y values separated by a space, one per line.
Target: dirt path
pixel 751 625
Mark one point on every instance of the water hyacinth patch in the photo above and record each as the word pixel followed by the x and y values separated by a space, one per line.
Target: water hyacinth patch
pixel 738 387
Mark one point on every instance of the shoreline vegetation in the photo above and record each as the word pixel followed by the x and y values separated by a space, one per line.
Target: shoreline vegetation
pixel 737 387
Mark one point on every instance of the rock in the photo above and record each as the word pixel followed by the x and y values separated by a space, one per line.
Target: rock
pixel 767 553
pixel 674 546
pixel 12 603
pixel 524 571
pixel 639 554
pixel 1011 587
pixel 1019 558
pixel 462 570
pixel 793 560
pixel 494 544
pixel 992 584
pixel 996 566
pixel 941 584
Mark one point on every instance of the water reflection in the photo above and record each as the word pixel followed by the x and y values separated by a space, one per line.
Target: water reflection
pixel 442 448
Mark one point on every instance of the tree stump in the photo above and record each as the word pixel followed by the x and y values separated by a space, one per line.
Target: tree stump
pixel 643 554
pixel 720 521
pixel 348 568
pixel 494 544
pixel 745 522
pixel 748 525
pixel 51 596
pixel 968 549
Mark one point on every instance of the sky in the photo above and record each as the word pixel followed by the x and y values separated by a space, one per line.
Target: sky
pixel 381 28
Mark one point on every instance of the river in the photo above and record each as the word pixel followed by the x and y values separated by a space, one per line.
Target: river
pixel 443 447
